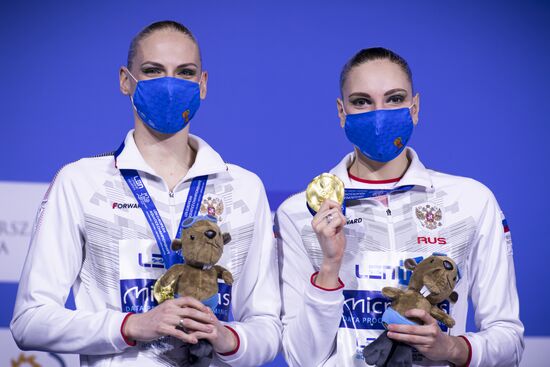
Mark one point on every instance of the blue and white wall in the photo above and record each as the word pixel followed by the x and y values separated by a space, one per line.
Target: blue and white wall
pixel 481 69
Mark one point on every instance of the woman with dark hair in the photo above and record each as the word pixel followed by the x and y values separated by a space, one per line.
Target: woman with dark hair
pixel 334 266
pixel 106 224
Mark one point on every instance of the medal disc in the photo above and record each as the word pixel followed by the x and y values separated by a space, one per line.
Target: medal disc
pixel 161 294
pixel 323 187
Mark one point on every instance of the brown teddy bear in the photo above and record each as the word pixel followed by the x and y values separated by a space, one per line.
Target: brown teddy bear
pixel 201 244
pixel 431 282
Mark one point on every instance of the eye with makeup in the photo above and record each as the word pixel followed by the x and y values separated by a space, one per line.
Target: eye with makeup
pixel 187 73
pixel 360 102
pixel 395 99
pixel 151 71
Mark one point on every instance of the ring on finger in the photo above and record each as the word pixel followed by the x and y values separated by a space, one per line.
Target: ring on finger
pixel 329 218
pixel 180 324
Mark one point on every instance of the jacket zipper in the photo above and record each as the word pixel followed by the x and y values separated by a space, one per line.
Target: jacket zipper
pixel 172 205
pixel 391 229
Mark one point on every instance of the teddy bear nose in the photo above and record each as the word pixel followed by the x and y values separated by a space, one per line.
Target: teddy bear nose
pixel 447 265
pixel 210 234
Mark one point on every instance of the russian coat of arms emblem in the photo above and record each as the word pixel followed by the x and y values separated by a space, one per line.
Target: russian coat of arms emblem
pixel 429 216
pixel 213 206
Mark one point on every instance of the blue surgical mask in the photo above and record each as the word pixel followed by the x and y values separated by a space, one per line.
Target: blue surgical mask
pixel 381 135
pixel 166 104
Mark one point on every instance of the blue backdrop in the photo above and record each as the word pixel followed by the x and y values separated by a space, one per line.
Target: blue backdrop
pixel 481 69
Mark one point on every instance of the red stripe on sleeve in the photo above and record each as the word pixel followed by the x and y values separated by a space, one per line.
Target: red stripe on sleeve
pixel 469 350
pixel 131 343
pixel 314 275
pixel 238 342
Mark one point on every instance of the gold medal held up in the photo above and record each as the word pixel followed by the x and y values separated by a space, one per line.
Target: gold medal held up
pixel 323 187
pixel 161 293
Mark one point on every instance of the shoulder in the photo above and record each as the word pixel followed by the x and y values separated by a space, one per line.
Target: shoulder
pixel 294 205
pixel 459 183
pixel 468 191
pixel 85 170
pixel 80 177
pixel 244 175
pixel 245 184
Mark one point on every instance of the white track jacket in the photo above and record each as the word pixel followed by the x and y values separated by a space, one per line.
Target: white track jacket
pixel 91 236
pixel 446 214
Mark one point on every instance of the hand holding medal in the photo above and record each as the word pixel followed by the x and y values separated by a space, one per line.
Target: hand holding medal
pixel 325 196
pixel 323 187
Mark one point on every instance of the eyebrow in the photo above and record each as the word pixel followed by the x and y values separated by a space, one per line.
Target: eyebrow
pixel 392 91
pixel 366 95
pixel 162 66
pixel 359 94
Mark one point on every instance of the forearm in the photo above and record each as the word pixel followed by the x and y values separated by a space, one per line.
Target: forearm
pixel 55 329
pixel 256 301
pixel 459 351
pixel 499 345
pixel 309 335
pixel 499 341
pixel 328 275
pixel 258 341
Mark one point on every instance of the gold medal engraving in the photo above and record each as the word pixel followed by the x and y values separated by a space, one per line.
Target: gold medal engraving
pixel 323 187
pixel 163 293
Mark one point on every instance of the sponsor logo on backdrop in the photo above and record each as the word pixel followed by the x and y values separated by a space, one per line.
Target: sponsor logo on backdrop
pixel 156 261
pixel 363 310
pixel 137 296
pixel 4 248
pixel 15 228
pixel 385 272
pixel 30 360
pixel 9 230
pixel 23 360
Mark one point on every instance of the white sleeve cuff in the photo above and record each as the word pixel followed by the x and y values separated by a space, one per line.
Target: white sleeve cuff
pixel 118 340
pixel 235 355
pixel 323 296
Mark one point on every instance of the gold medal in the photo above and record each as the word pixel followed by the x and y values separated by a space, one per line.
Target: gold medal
pixel 163 293
pixel 323 187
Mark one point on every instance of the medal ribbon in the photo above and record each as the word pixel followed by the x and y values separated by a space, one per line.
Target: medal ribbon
pixel 357 194
pixel 192 207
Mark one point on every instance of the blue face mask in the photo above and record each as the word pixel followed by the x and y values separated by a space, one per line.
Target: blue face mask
pixel 166 104
pixel 381 135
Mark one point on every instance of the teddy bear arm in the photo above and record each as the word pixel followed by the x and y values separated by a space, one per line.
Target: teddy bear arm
pixel 172 274
pixel 224 274
pixel 391 292
pixel 439 315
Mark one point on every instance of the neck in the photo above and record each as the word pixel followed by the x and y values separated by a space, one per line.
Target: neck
pixel 368 169
pixel 168 154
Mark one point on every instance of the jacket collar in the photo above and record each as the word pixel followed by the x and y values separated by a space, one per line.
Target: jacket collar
pixel 207 161
pixel 416 174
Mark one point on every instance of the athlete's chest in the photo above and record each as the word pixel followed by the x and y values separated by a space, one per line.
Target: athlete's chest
pixel 411 223
pixel 116 224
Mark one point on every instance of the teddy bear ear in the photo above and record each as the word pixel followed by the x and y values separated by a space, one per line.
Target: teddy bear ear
pixel 176 244
pixel 226 238
pixel 453 297
pixel 410 264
